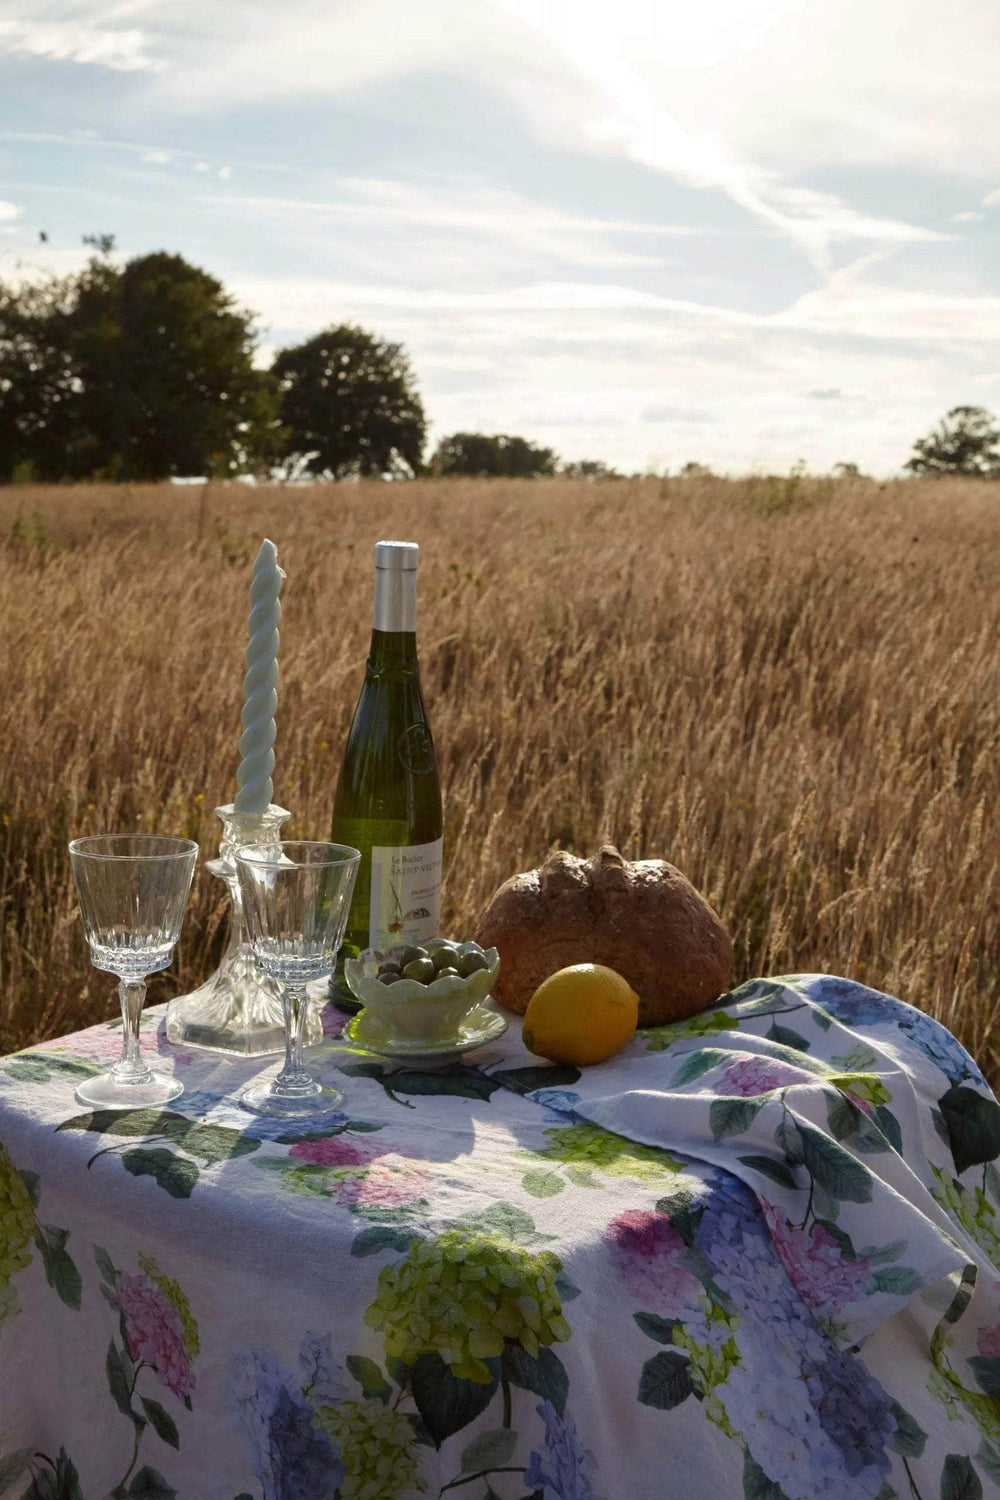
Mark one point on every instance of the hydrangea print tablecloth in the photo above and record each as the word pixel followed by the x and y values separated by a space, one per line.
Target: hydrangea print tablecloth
pixel 756 1254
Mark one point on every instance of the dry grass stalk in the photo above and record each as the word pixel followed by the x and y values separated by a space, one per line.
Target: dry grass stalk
pixel 789 689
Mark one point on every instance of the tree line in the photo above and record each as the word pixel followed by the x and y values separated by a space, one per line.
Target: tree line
pixel 145 370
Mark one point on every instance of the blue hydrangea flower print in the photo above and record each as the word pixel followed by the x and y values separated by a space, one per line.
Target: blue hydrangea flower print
pixel 812 1418
pixel 293 1458
pixel 856 1005
pixel 559 1104
pixel 561 1471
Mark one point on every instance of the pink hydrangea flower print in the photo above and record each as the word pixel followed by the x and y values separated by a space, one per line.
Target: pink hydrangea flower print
pixel 649 1254
pixel 989 1342
pixel 334 1151
pixel 154 1332
pixel 389 1183
pixel 825 1278
pixel 747 1075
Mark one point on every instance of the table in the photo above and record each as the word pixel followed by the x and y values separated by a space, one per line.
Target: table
pixel 756 1254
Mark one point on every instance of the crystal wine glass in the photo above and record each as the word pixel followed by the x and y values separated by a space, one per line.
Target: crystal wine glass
pixel 296 898
pixel 133 889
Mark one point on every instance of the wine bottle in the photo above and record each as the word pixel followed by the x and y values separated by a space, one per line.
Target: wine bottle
pixel 388 800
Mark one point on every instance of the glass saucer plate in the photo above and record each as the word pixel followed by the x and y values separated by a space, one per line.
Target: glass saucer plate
pixel 479 1027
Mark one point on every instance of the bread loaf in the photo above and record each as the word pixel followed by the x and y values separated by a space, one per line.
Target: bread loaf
pixel 643 918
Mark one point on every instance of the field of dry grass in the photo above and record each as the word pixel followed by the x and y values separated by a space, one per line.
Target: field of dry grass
pixel 789 689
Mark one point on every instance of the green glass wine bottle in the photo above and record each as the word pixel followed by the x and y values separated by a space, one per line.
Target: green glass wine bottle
pixel 388 800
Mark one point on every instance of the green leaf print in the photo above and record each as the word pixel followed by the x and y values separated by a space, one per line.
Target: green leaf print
pixel 661 1330
pixel 659 1038
pixel 118 1384
pixel 732 1116
pixel 546 1375
pixel 787 1037
pixel 901 1281
pixel 379 1237
pixel 41 1067
pixel 833 1167
pixel 988 1457
pixel 59 1481
pixel 161 1421
pixel 959 1480
pixel 973 1125
pixel 696 1064
pixel 542 1184
pixel 772 1168
pixel 32 1183
pixel 756 1485
pixel 986 1369
pixel 370 1378
pixel 212 1143
pixel 665 1380
pixel 909 1439
pixel 149 1484
pixel 105 1265
pixel 527 1080
pixel 174 1174
pixel 60 1269
pixel 489 1450
pixel 445 1402
pixel 14 1467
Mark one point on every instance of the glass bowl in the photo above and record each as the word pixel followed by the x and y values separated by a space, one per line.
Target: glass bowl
pixel 425 1012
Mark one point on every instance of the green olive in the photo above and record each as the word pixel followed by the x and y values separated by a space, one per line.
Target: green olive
pixel 389 976
pixel 471 963
pixel 419 968
pixel 389 967
pixel 407 954
pixel 447 973
pixel 445 956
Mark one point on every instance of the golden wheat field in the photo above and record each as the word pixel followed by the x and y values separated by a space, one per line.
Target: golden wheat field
pixel 788 688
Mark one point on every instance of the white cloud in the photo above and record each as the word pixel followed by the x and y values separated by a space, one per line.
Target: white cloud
pixel 9 211
pixel 225 173
pixel 157 158
pixel 79 42
pixel 968 217
pixel 992 199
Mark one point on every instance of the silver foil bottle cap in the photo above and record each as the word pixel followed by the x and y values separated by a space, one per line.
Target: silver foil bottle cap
pixel 398 556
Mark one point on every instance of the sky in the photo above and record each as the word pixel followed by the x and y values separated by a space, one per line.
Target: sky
pixel 744 233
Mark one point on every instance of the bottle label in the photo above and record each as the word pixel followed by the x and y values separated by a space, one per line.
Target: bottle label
pixel 405 902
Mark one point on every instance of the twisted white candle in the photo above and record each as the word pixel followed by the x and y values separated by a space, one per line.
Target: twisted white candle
pixel 260 685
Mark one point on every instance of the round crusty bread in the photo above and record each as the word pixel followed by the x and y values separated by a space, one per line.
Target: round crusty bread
pixel 644 919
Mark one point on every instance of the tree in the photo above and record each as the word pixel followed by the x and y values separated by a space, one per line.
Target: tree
pixel 349 406
pixel 482 455
pixel 136 372
pixel 847 471
pixel 588 468
pixel 967 441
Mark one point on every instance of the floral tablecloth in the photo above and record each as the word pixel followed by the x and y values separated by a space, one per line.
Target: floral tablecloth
pixel 756 1254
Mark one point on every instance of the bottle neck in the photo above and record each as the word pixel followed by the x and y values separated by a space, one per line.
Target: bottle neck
pixel 394 621
pixel 395 601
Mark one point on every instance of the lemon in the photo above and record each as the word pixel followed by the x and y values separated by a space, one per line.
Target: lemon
pixel 580 1015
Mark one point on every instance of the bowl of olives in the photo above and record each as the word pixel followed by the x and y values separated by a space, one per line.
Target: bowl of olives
pixel 423 991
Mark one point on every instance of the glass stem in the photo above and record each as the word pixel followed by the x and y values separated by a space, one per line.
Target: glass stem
pixel 293 1078
pixel 130 1068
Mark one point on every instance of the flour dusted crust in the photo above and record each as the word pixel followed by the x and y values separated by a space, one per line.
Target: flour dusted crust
pixel 643 918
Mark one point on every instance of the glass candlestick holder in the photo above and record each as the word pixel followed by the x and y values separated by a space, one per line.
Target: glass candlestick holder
pixel 239 1009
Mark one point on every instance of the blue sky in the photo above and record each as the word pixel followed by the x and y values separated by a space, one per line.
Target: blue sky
pixel 745 232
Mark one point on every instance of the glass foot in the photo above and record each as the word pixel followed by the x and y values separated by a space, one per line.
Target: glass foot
pixel 312 1102
pixel 108 1092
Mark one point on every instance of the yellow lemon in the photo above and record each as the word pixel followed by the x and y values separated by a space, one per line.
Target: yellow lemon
pixel 580 1015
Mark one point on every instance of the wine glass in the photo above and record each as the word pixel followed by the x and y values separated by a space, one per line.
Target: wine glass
pixel 296 898
pixel 133 889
